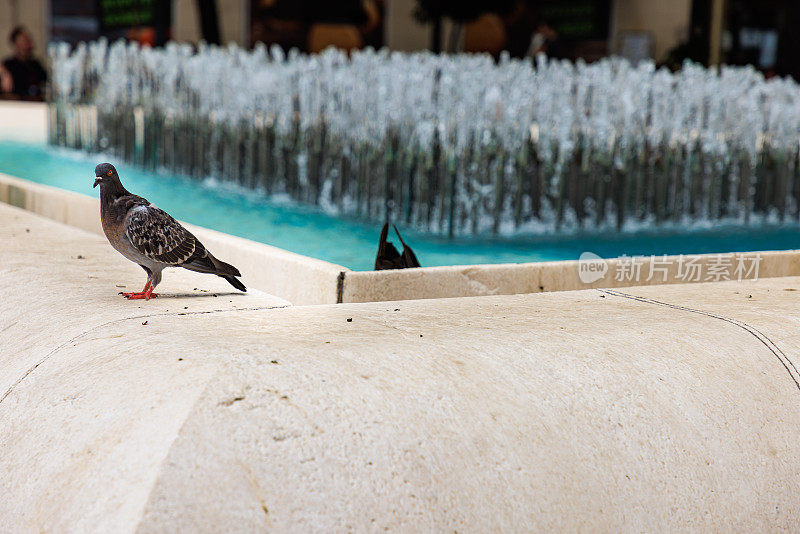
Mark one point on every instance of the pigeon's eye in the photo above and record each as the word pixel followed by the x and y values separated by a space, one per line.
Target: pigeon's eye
pixel 109 172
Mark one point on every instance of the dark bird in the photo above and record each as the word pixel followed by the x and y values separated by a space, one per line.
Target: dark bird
pixel 389 258
pixel 148 236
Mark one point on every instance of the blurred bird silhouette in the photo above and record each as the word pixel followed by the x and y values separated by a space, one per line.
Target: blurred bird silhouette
pixel 389 258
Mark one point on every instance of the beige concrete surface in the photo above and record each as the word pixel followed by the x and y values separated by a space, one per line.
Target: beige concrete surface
pixel 654 409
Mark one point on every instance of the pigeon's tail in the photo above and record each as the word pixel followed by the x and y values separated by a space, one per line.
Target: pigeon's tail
pixel 211 265
pixel 223 268
pixel 235 282
pixel 228 272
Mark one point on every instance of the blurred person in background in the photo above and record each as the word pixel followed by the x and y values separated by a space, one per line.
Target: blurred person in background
pixel 21 75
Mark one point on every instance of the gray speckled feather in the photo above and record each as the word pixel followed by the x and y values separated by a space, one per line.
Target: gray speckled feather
pixel 158 236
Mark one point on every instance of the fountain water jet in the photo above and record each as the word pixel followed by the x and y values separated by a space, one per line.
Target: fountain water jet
pixel 449 144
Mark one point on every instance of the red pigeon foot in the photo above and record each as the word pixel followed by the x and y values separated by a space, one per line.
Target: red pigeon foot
pixel 142 293
pixel 145 293
pixel 140 296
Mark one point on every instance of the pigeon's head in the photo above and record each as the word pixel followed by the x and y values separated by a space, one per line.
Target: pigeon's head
pixel 105 173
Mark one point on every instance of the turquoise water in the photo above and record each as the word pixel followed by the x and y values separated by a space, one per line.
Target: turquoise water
pixel 354 244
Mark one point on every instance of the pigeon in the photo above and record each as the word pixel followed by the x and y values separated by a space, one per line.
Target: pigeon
pixel 389 258
pixel 148 236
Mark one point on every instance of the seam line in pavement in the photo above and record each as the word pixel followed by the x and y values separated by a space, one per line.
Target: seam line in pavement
pixel 144 316
pixel 794 374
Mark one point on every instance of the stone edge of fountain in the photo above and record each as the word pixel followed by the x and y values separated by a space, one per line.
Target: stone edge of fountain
pixel 304 281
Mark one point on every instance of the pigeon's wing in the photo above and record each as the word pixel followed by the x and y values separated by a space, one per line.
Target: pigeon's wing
pixel 389 260
pixel 158 236
pixel 388 257
pixel 409 258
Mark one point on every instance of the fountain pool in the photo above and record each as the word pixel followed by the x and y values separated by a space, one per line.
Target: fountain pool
pixel 353 244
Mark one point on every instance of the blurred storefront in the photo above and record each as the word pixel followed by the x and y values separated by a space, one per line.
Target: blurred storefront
pixel 757 32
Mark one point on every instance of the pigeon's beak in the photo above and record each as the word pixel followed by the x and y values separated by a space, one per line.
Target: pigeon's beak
pixel 97 181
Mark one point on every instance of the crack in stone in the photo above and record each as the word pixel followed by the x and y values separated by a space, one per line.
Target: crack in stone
pixel 760 336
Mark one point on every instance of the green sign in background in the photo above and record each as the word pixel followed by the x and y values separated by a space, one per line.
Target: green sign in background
pixel 578 19
pixel 125 13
